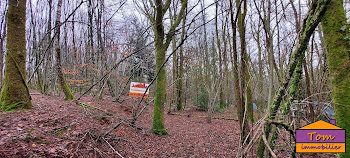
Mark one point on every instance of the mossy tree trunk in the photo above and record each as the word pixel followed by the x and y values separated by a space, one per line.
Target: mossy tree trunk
pixel 246 110
pixel 66 90
pixel 15 92
pixel 313 17
pixel 162 42
pixel 336 34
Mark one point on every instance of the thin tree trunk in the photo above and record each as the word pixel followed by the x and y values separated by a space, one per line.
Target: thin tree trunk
pixel 2 39
pixel 175 65
pixel 237 89
pixel 220 58
pixel 66 90
pixel 181 66
pixel 48 80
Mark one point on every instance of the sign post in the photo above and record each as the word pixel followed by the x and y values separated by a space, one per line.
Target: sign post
pixel 138 89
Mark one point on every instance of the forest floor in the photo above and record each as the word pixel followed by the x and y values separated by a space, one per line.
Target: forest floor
pixel 57 128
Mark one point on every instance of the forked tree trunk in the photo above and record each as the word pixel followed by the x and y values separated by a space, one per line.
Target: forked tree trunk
pixel 246 110
pixel 162 42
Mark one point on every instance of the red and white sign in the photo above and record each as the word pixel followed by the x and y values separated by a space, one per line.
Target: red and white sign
pixel 138 89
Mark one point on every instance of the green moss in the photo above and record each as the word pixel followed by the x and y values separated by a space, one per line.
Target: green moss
pixel 310 24
pixel 274 138
pixel 15 89
pixel 40 140
pixel 13 107
pixel 249 103
pixel 29 133
pixel 160 131
pixel 222 105
pixel 67 91
pixel 339 64
pixel 159 98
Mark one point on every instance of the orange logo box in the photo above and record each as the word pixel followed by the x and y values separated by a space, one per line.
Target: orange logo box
pixel 320 137
pixel 138 95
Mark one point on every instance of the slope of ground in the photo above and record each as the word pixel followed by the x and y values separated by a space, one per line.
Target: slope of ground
pixel 62 128
pixel 57 128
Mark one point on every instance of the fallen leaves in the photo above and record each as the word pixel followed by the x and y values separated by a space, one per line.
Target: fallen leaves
pixel 64 129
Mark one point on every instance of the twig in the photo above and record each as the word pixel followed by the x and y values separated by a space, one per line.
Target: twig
pixel 79 145
pixel 98 150
pixel 115 127
pixel 256 136
pixel 112 148
pixel 286 127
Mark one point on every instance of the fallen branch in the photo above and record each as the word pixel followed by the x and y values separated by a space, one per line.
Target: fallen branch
pixel 256 136
pixel 99 151
pixel 286 127
pixel 91 107
pixel 199 116
pixel 266 143
pixel 114 127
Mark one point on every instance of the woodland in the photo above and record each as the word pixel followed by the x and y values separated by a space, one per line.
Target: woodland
pixel 227 78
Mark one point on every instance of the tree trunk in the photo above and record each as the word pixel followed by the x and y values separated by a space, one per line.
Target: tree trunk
pixel 162 42
pixel 237 89
pixel 181 67
pixel 66 90
pixel 220 58
pixel 226 72
pixel 47 65
pixel 246 105
pixel 159 97
pixel 313 17
pixel 270 55
pixel 2 39
pixel 336 33
pixel 175 65
pixel 15 92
